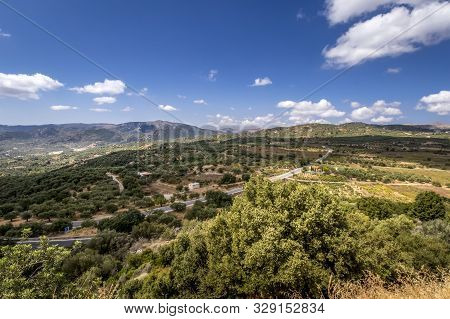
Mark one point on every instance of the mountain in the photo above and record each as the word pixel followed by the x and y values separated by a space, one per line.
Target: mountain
pixel 104 133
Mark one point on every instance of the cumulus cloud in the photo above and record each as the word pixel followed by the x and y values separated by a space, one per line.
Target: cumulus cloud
pixel 167 108
pixel 259 121
pixel 212 75
pixel 127 109
pixel 362 113
pixel 226 121
pixel 380 108
pixel 105 100
pixel 436 103
pixel 26 87
pixel 262 82
pixel 381 36
pixel 63 107
pixel 382 119
pixel 200 101
pixel 107 87
pixel 310 112
pixel 339 11
pixel 99 110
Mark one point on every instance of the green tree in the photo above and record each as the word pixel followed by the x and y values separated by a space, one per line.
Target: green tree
pixel 111 208
pixel 428 206
pixel 228 178
pixel 218 199
pixel 10 216
pixel 159 200
pixel 32 273
pixel 178 207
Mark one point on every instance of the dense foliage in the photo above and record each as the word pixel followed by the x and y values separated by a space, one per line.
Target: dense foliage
pixel 284 240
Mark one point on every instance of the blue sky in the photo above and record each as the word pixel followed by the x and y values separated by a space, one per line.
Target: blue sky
pixel 226 63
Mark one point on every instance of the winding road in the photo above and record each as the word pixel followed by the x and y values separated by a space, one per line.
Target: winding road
pixel 116 179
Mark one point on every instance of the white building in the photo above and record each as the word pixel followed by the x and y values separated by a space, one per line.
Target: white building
pixel 193 186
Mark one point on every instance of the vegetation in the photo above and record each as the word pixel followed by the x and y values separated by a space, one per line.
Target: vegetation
pixel 330 236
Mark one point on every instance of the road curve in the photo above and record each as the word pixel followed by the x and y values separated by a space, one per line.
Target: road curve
pixel 115 178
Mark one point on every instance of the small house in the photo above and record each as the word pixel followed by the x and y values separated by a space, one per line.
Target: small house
pixel 193 186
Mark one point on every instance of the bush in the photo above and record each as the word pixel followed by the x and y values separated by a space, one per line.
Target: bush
pixel 200 211
pixel 228 178
pixel 111 208
pixel 123 222
pixel 218 199
pixel 178 207
pixel 88 223
pixel 59 225
pixel 428 206
pixel 381 208
pixel 148 230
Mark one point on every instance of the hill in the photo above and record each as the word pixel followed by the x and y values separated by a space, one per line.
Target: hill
pixel 354 129
pixel 114 133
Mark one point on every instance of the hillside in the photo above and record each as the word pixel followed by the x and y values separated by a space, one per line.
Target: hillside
pixel 75 133
pixel 355 129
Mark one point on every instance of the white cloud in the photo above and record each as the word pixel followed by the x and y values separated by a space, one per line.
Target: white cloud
pixel 362 113
pixel 182 97
pixel 393 70
pixel 355 104
pixel 105 100
pixel 310 112
pixel 339 11
pixel 110 87
pixel 63 107
pixel 4 35
pixel 381 119
pixel 220 120
pixel 127 109
pixel 167 108
pixel 226 121
pixel 262 81
pixel 212 75
pixel 381 36
pixel 26 87
pixel 436 103
pixel 142 92
pixel 379 108
pixel 345 121
pixel 259 121
pixel 99 110
pixel 200 101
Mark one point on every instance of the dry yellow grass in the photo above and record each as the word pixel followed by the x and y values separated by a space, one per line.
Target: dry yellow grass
pixel 425 286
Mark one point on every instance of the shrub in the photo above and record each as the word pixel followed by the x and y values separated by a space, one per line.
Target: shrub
pixel 218 199
pixel 123 222
pixel 428 206
pixel 178 207
pixel 228 178
pixel 200 211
